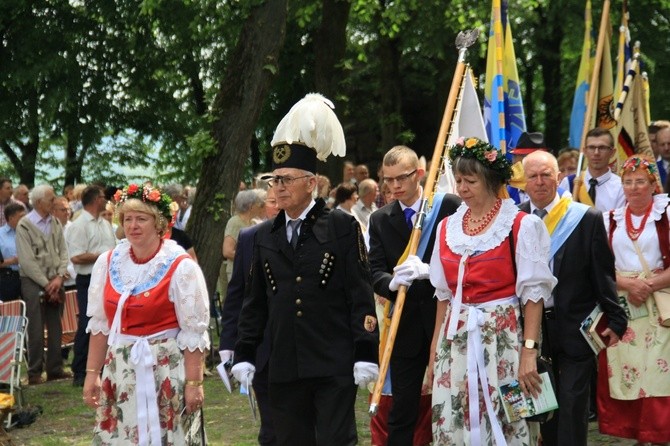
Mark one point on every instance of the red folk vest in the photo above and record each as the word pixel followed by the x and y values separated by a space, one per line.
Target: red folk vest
pixel 488 276
pixel 145 313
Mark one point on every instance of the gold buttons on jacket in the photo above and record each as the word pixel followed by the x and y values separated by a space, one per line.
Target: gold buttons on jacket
pixel 299 314
pixel 298 301
pixel 298 279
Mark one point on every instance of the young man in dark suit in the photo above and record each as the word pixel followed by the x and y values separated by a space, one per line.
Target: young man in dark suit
pixel 390 229
pixel 584 266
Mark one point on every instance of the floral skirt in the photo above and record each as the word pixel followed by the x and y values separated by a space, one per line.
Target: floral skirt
pixel 500 338
pixel 116 417
pixel 634 382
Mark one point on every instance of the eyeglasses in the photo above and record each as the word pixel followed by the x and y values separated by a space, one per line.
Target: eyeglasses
pixel 594 149
pixel 400 178
pixel 634 183
pixel 285 180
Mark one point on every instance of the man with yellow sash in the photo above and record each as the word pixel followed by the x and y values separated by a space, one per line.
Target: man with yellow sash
pixel 584 266
pixel 598 186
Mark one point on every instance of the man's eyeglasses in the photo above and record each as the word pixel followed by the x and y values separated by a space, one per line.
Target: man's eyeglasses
pixel 285 180
pixel 400 178
pixel 594 149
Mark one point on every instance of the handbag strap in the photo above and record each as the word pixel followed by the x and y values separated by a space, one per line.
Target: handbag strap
pixel 647 273
pixel 643 261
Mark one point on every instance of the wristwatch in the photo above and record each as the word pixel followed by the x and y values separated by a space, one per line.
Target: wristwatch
pixel 530 344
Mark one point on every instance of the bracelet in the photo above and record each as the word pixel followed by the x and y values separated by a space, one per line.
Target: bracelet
pixel 194 383
pixel 92 371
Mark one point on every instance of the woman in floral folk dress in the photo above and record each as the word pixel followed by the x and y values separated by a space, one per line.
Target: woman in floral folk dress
pixel 634 374
pixel 149 312
pixel 482 279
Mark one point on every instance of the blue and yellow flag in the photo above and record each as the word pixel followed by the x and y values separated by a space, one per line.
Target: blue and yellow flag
pixel 583 80
pixel 503 105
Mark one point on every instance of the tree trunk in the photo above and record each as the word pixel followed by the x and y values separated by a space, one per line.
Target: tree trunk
pixel 330 43
pixel 390 92
pixel 236 108
pixel 551 34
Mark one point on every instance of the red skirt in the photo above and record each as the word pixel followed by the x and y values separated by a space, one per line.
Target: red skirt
pixel 423 431
pixel 646 420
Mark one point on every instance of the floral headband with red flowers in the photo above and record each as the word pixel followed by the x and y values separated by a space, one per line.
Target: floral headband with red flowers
pixel 147 194
pixel 484 152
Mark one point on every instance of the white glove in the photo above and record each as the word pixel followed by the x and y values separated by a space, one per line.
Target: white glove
pixel 226 355
pixel 244 373
pixel 408 271
pixel 365 373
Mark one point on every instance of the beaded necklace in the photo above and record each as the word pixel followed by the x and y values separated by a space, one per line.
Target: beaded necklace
pixel 145 260
pixel 631 230
pixel 485 220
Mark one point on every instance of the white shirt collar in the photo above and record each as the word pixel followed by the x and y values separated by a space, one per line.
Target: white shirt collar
pixel 303 215
pixel 547 208
pixel 416 205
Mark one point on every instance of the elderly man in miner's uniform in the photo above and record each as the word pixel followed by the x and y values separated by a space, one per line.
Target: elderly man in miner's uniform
pixel 310 284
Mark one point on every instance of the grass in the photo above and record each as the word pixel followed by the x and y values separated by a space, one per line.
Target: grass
pixel 66 421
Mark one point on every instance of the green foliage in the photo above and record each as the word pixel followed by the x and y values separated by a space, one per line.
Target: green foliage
pixel 219 207
pixel 151 69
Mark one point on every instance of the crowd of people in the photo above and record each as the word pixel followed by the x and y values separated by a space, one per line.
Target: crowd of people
pixel 509 266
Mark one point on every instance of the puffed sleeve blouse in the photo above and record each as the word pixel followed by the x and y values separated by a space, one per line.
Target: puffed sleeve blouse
pixel 187 291
pixel 532 247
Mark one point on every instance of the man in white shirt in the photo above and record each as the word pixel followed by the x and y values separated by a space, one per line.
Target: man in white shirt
pixel 87 237
pixel 599 187
pixel 367 195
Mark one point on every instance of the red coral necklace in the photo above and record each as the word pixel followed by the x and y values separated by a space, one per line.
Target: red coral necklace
pixel 485 220
pixel 145 260
pixel 631 230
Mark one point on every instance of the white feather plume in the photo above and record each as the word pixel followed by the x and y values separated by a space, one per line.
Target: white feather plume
pixel 312 122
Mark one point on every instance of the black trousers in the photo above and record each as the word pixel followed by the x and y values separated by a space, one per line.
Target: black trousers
pixel 406 380
pixel 266 434
pixel 10 285
pixel 81 338
pixel 570 423
pixel 315 411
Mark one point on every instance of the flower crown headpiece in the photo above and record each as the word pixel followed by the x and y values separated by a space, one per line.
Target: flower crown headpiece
pixel 484 152
pixel 637 162
pixel 150 195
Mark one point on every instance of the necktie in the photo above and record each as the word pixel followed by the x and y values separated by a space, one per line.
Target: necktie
pixel 409 212
pixel 592 190
pixel 295 225
pixel 540 212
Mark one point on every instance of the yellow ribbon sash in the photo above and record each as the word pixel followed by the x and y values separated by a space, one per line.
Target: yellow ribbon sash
pixel 557 213
pixel 583 194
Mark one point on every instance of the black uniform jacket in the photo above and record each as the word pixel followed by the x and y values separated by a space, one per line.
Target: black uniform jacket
pixel 317 300
pixel 389 235
pixel 584 267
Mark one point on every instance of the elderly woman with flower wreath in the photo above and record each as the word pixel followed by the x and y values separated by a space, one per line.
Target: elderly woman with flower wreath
pixel 634 374
pixel 489 263
pixel 149 312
